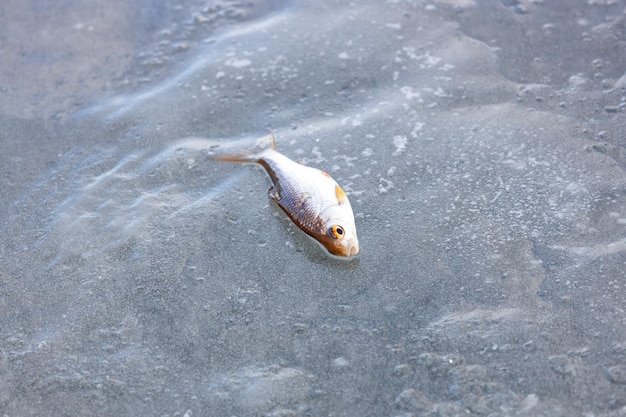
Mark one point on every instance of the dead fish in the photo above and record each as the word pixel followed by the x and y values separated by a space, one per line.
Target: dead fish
pixel 310 197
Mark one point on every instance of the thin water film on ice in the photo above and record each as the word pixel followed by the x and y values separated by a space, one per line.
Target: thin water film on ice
pixel 481 144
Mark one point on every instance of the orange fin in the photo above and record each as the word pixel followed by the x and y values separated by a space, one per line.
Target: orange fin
pixel 341 195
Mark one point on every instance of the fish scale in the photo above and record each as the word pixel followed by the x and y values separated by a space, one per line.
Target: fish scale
pixel 295 194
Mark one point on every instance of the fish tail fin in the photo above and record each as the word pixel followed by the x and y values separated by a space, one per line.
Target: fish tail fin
pixel 262 144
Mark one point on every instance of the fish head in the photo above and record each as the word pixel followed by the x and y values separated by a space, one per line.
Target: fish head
pixel 339 232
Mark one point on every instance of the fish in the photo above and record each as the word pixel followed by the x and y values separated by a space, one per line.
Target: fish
pixel 310 197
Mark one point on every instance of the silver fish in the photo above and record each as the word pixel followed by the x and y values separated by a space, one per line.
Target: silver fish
pixel 309 196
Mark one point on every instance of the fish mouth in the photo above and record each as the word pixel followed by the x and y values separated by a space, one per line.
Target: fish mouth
pixel 354 250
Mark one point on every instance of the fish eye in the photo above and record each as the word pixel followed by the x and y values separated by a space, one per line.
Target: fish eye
pixel 337 231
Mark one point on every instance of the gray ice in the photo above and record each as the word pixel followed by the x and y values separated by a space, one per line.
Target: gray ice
pixel 482 148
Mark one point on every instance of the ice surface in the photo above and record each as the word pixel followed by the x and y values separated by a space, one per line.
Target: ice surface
pixel 481 145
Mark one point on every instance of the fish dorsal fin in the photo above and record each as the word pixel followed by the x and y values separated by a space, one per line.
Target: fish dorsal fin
pixel 273 139
pixel 266 142
pixel 341 195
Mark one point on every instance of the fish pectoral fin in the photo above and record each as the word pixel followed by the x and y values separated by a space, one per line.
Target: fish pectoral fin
pixel 342 198
pixel 273 194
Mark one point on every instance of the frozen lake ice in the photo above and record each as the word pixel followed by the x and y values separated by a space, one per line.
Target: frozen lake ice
pixel 481 143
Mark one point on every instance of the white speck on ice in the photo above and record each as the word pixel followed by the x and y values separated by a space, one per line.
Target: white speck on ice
pixel 439 92
pixel 575 188
pixel 411 94
pixel 431 61
pixel 343 55
pixel 459 4
pixel 400 143
pixel 238 63
pixel 341 362
pixel 515 164
pixel 418 126
pixel 532 161
pixel 384 185
pixel 353 121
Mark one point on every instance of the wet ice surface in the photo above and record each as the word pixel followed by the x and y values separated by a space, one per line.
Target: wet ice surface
pixel 482 148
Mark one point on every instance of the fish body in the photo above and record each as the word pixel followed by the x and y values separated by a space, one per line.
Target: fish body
pixel 310 197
